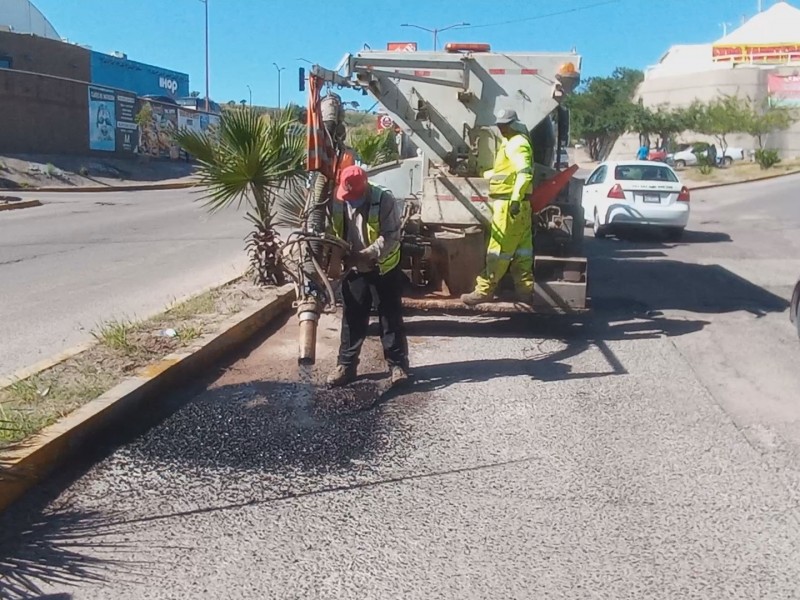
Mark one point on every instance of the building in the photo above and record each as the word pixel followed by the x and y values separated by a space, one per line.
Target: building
pixel 115 70
pixel 29 42
pixel 759 60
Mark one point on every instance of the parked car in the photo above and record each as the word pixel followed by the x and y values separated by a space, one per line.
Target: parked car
pixel 638 193
pixel 688 156
pixel 794 307
pixel 657 155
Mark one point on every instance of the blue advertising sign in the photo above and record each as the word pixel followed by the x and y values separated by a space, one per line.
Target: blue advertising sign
pixel 102 119
pixel 141 78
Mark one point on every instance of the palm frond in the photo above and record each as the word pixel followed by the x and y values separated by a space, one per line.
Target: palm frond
pixel 250 153
pixel 290 203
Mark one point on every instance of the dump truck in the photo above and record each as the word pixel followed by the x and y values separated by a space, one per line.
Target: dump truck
pixel 443 103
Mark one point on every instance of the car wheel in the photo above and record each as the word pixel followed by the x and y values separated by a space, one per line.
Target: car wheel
pixel 674 234
pixel 680 164
pixel 727 161
pixel 797 318
pixel 600 231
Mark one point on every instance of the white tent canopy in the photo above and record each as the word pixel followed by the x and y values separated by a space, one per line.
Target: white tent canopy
pixel 21 16
pixel 779 24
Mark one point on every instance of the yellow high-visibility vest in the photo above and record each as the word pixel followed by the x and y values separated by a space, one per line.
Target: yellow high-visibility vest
pixel 373 226
pixel 512 152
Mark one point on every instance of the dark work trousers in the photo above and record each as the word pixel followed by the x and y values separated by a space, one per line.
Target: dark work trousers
pixel 358 292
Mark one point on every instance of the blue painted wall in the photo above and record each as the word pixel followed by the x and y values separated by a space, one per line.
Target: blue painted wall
pixel 137 77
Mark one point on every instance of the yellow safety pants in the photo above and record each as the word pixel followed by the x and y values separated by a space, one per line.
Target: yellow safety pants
pixel 510 244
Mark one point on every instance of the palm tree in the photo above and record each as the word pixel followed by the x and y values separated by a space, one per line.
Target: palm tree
pixel 374 148
pixel 251 158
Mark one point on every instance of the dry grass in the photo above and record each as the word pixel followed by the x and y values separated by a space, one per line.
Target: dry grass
pixel 740 172
pixel 123 347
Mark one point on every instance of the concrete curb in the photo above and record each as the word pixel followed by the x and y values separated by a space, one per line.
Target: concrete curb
pixel 113 188
pixel 19 205
pixel 56 359
pixel 729 183
pixel 37 458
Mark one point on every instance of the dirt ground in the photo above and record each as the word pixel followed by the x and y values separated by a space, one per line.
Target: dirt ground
pixel 275 361
pixel 41 170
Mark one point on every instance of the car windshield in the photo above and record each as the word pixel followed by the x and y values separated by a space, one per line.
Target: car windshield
pixel 644 173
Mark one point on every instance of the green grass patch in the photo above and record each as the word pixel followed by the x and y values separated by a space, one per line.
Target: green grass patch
pixel 123 347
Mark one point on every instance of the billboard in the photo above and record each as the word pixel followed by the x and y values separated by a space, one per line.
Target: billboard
pixel 102 119
pixel 127 131
pixel 783 90
pixel 141 78
pixel 755 53
pixel 157 123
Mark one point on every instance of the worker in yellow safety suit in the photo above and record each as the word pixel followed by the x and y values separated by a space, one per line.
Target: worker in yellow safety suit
pixel 510 241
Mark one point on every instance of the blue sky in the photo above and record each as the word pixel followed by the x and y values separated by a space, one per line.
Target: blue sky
pixel 247 36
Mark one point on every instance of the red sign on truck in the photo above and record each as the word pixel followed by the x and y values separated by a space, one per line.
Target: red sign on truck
pixel 402 46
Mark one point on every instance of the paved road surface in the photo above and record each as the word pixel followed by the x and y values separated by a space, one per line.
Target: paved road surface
pixel 82 259
pixel 651 451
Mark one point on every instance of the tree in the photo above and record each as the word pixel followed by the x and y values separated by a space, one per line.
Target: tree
pixel 251 158
pixel 374 148
pixel 603 110
pixel 194 94
pixel 768 118
pixel 663 123
pixel 720 118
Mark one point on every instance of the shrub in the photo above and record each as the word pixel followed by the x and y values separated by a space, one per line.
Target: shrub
pixel 767 159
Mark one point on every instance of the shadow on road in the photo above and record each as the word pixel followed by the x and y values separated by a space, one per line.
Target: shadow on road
pixel 577 337
pixel 56 547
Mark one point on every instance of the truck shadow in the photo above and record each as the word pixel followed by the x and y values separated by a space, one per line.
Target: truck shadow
pixel 574 336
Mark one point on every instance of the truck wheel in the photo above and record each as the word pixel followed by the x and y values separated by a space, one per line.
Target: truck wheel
pixel 680 164
pixel 600 231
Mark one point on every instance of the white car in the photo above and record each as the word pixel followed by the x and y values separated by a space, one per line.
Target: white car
pixel 635 193
pixel 687 157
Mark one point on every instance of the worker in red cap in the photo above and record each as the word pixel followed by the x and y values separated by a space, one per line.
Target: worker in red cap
pixel 368 217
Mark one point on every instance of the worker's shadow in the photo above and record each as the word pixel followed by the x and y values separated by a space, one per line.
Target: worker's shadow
pixel 576 338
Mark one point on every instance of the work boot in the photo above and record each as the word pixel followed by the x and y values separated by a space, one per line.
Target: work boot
pixel 342 375
pixel 397 375
pixel 524 297
pixel 474 298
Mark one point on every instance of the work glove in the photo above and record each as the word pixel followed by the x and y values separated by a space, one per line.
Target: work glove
pixel 515 208
pixel 362 261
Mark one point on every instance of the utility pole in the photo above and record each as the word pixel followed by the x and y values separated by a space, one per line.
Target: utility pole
pixel 206 6
pixel 251 95
pixel 279 69
pixel 436 31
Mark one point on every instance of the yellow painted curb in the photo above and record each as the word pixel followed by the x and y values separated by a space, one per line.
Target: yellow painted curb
pixel 40 455
pixel 21 204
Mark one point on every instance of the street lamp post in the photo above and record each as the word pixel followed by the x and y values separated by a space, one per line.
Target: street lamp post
pixel 279 69
pixel 436 31
pixel 251 95
pixel 206 7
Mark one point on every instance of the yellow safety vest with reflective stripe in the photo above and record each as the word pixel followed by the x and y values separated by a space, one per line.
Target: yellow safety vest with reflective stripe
pixel 373 226
pixel 514 156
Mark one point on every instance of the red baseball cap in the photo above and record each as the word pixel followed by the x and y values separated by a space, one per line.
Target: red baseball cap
pixel 352 184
